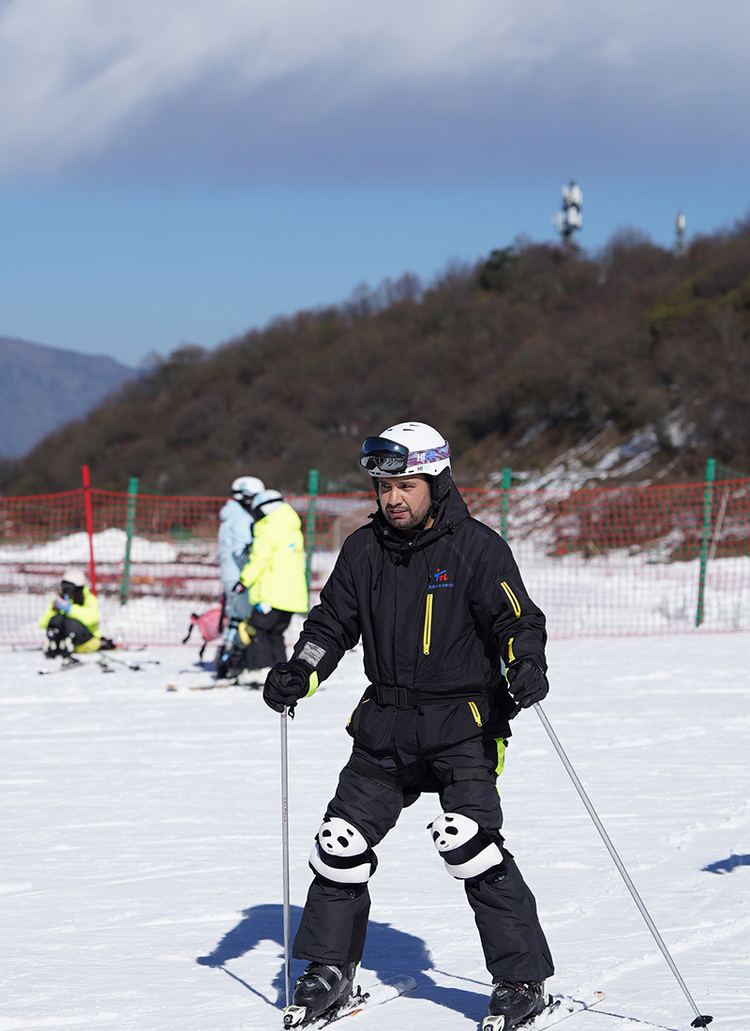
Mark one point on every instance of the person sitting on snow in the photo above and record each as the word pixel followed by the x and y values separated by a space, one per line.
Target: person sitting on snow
pixel 72 619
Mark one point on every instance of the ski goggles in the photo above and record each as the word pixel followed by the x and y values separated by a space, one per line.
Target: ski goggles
pixel 391 458
pixel 387 456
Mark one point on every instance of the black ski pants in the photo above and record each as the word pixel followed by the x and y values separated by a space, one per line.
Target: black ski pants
pixel 61 626
pixel 267 646
pixel 371 793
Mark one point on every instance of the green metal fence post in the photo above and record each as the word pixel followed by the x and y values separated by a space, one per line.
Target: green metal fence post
pixel 132 494
pixel 312 495
pixel 708 495
pixel 504 503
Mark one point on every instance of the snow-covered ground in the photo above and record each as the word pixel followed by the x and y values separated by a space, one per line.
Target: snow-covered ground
pixel 141 844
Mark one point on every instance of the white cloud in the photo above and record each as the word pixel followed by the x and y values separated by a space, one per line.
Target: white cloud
pixel 78 77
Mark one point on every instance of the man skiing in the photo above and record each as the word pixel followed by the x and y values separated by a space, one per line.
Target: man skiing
pixel 442 611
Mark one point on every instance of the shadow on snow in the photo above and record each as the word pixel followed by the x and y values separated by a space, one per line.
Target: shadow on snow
pixel 388 952
pixel 727 865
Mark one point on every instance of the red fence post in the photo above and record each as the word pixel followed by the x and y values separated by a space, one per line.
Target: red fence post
pixel 89 524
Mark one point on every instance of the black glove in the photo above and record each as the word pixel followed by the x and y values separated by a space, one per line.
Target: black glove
pixel 527 682
pixel 286 684
pixel 239 588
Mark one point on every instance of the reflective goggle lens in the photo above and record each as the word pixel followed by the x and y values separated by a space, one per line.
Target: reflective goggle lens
pixel 384 455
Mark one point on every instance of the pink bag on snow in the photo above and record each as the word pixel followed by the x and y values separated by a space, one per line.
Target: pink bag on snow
pixel 209 625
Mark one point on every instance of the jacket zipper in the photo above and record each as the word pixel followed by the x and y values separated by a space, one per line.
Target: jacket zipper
pixel 427 632
pixel 475 713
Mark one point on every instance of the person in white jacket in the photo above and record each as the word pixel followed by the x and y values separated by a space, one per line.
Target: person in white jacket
pixel 236 531
pixel 235 544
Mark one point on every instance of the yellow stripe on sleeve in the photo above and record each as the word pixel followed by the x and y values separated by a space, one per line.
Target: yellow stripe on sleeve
pixel 512 599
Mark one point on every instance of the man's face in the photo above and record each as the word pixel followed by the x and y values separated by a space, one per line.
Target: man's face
pixel 405 502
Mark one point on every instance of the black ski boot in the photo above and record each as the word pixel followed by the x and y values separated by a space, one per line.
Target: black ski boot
pixel 52 648
pixel 321 987
pixel 513 1002
pixel 66 647
pixel 229 662
pixel 59 647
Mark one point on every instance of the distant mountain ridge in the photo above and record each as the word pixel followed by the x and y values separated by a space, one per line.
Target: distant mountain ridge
pixel 42 388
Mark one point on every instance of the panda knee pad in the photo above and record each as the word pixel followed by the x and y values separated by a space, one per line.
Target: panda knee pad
pixel 341 853
pixel 468 851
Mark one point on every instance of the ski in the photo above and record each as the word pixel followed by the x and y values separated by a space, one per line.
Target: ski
pixel 383 991
pixel 67 664
pixel 205 687
pixel 558 1008
pixel 133 665
pixel 73 663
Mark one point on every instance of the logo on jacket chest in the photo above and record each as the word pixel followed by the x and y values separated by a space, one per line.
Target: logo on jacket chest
pixel 440 578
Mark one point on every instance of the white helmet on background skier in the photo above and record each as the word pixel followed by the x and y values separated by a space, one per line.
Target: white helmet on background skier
pixel 409 449
pixel 265 502
pixel 75 577
pixel 244 489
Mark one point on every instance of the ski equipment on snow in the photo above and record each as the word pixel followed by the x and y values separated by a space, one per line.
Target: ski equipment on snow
pixel 382 992
pixel 320 990
pixel 701 1019
pixel 557 1008
pixel 516 1001
pixel 71 662
pixel 285 855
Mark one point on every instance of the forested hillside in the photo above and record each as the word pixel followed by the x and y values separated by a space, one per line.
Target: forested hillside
pixel 535 355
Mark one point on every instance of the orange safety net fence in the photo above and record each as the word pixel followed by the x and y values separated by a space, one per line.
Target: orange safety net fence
pixel 607 561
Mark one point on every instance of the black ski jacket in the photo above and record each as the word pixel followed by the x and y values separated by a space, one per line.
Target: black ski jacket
pixel 438 612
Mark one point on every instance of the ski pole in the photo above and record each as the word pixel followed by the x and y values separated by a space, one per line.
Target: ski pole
pixel 701 1020
pixel 285 851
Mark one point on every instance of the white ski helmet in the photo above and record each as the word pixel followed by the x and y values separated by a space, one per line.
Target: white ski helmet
pixel 409 449
pixel 265 502
pixel 244 488
pixel 75 576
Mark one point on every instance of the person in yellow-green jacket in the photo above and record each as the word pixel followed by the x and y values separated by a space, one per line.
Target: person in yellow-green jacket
pixel 72 618
pixel 275 581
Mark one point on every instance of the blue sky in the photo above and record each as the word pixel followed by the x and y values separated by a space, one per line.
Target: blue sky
pixel 179 171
